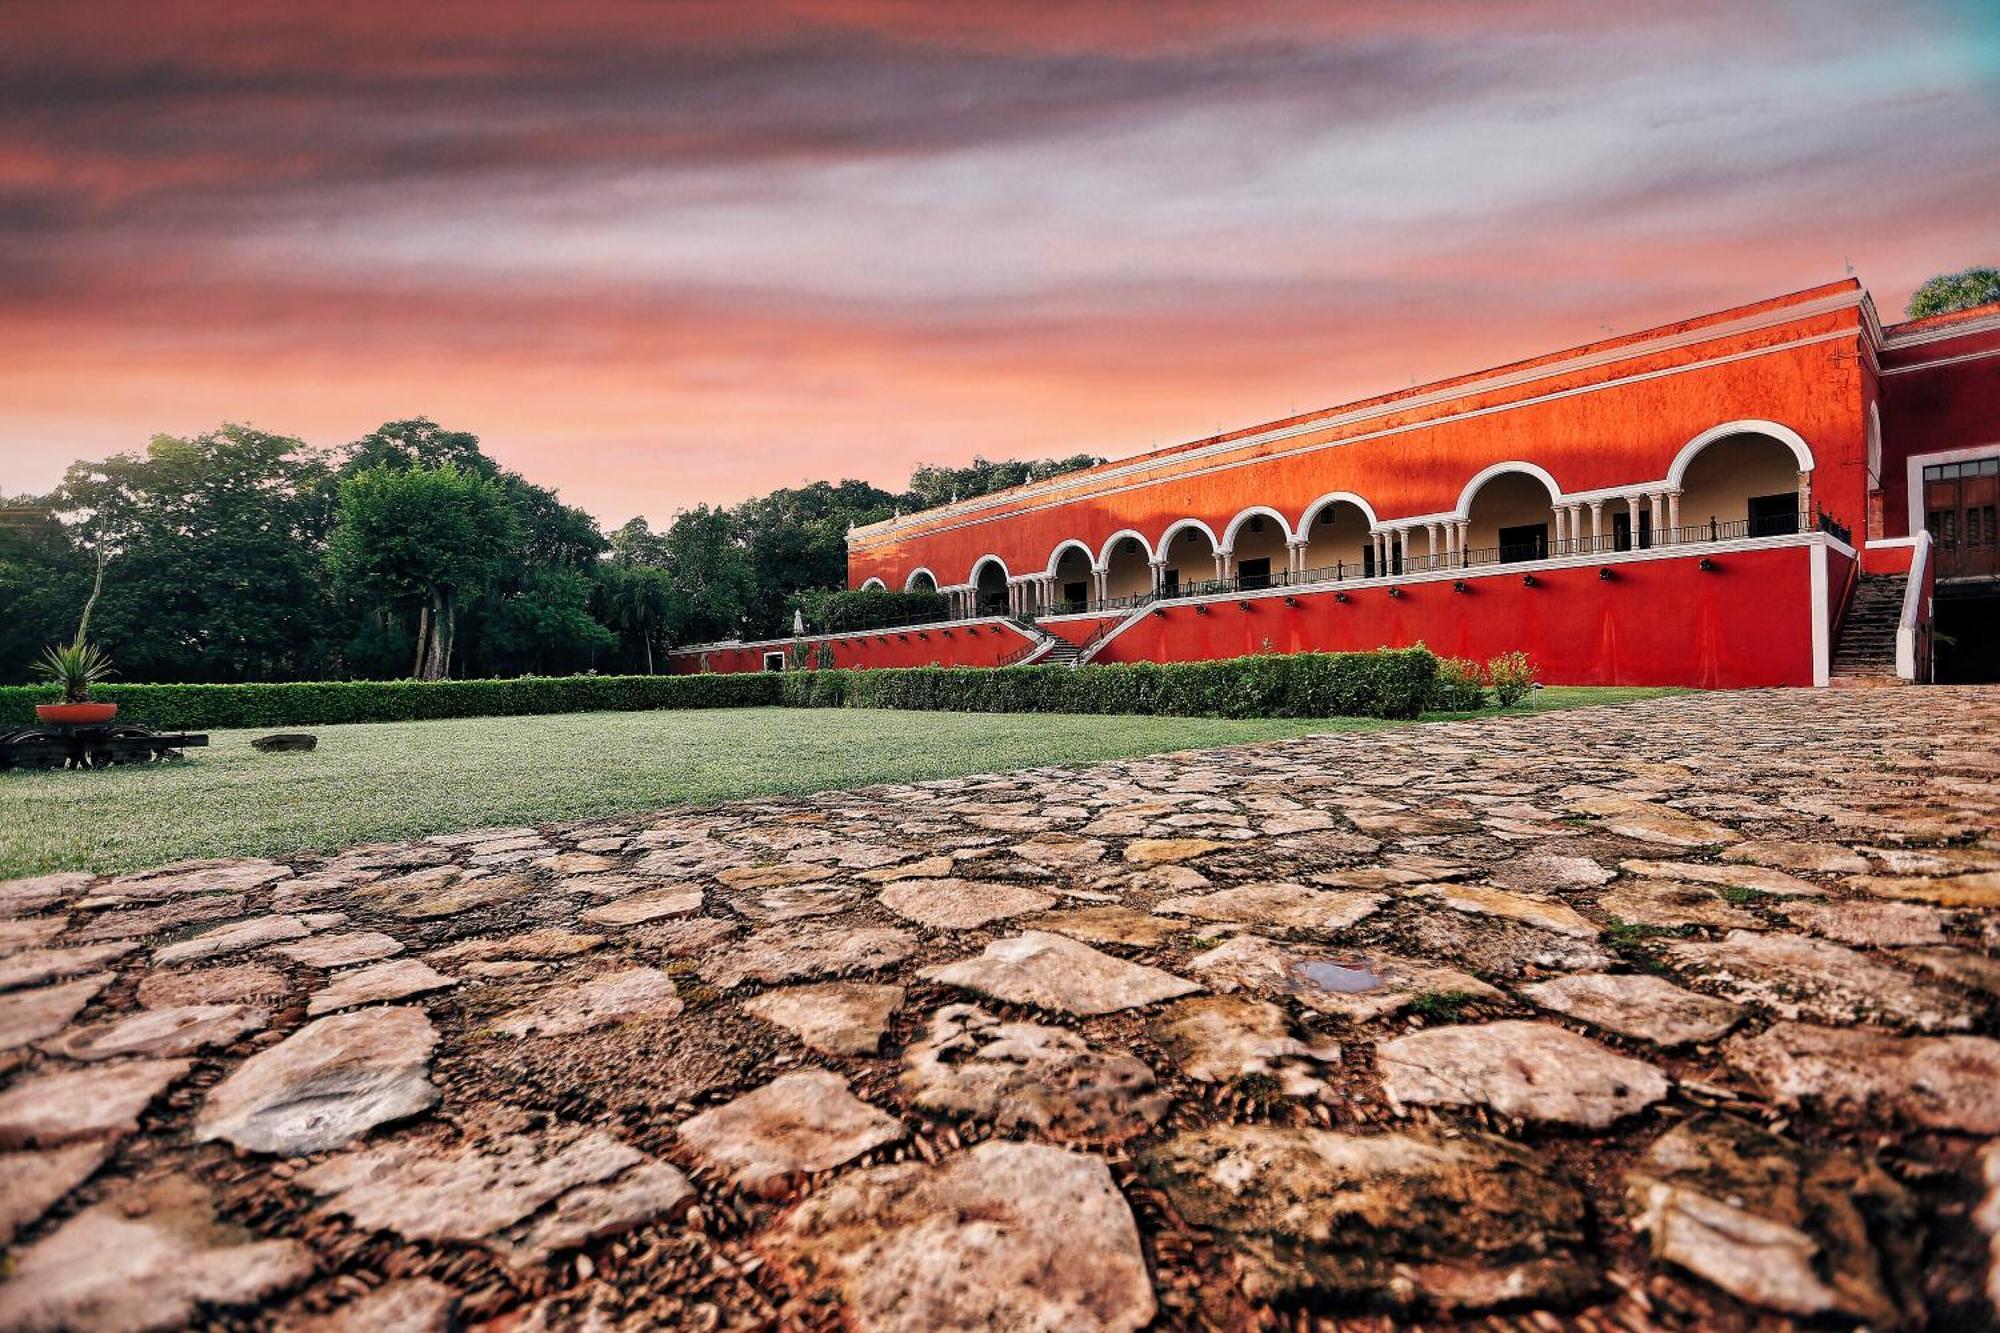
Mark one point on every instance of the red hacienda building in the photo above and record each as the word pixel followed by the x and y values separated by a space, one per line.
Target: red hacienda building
pixel 1785 493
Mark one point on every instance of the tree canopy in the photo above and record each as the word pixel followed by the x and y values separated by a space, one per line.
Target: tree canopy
pixel 1947 292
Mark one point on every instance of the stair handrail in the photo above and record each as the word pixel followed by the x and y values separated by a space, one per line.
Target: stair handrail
pixel 1909 622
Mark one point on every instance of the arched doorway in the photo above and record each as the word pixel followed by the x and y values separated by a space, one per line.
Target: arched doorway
pixel 1073 572
pixel 1510 517
pixel 921 581
pixel 1188 549
pixel 1743 484
pixel 1127 562
pixel 1338 544
pixel 1258 541
pixel 989 588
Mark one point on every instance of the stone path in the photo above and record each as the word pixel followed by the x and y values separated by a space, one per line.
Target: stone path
pixel 1678 1014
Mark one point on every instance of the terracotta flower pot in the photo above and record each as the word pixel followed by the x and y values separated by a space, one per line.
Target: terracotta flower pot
pixel 76 714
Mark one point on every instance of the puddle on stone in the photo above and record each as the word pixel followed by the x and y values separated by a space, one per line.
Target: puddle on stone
pixel 1326 975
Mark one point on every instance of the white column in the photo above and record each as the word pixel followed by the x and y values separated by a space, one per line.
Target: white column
pixel 1431 543
pixel 1637 503
pixel 1673 515
pixel 1805 502
pixel 1562 522
pixel 1659 502
pixel 1295 555
pixel 1597 525
pixel 1159 568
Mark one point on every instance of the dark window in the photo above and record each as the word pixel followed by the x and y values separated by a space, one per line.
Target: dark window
pixel 774 661
pixel 1076 594
pixel 1368 561
pixel 1774 515
pixel 1254 574
pixel 1524 541
pixel 1170 583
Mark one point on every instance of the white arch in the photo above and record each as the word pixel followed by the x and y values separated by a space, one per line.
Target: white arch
pixel 1784 435
pixel 1177 527
pixel 981 563
pixel 1484 475
pixel 1254 511
pixel 877 585
pixel 1874 446
pixel 1311 513
pixel 911 582
pixel 1104 556
pixel 1055 556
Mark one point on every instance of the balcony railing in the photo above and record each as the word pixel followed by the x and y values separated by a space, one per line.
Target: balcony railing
pixel 1481 558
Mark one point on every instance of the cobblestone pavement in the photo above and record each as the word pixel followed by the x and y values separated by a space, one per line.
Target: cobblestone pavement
pixel 1674 1014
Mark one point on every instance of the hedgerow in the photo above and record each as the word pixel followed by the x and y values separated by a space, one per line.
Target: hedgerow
pixel 1390 683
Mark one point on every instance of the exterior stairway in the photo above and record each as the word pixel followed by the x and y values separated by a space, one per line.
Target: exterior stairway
pixel 1867 652
pixel 1061 653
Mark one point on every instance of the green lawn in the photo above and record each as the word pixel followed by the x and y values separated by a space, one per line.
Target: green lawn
pixel 380 781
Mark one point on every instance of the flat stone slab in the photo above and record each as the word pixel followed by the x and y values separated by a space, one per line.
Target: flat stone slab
pixel 1772 1223
pixel 1109 925
pixel 140 921
pixel 148 1259
pixel 405 1305
pixel 1980 890
pixel 31 967
pixel 1646 821
pixel 1030 1076
pixel 614 997
pixel 649 905
pixel 1866 921
pixel 333 1080
pixel 794 1125
pixel 37 892
pixel 1543 873
pixel 330 951
pixel 1532 1071
pixel 1666 902
pixel 158 1032
pixel 1797 977
pixel 237 937
pixel 443 891
pixel 377 984
pixel 1350 983
pixel 1290 907
pixel 1059 974
pixel 962 904
pixel 1541 913
pixel 1397 1219
pixel 838 1018
pixel 1006 1236
pixel 1823 858
pixel 220 875
pixel 1937 1082
pixel 1637 1005
pixel 1227 1038
pixel 800 953
pixel 523 1195
pixel 1170 851
pixel 547 944
pixel 239 983
pixel 29 932
pixel 31 1183
pixel 30 1015
pixel 1756 879
pixel 56 1107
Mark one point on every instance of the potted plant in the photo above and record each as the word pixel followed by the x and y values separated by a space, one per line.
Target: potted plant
pixel 75 667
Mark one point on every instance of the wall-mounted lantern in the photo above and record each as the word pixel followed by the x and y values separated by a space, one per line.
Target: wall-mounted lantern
pixel 1340 597
pixel 1527 580
pixel 1605 574
pixel 1396 592
pixel 1200 609
pixel 1247 607
pixel 1458 585
pixel 1291 601
pixel 1160 611
pixel 1708 566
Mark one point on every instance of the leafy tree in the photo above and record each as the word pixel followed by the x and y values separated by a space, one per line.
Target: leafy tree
pixel 932 485
pixel 416 443
pixel 637 601
pixel 1955 291
pixel 426 538
pixel 213 548
pixel 711 572
pixel 44 577
pixel 546 627
pixel 797 539
pixel 637 544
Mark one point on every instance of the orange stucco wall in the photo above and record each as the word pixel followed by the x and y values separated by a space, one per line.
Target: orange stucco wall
pixel 1939 394
pixel 984 643
pixel 1614 414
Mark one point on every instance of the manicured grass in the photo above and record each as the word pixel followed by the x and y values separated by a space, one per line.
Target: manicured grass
pixel 380 781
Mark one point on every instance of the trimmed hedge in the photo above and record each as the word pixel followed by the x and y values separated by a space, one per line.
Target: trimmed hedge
pixel 323 703
pixel 1386 683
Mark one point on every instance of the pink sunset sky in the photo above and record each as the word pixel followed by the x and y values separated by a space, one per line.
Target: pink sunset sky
pixel 658 254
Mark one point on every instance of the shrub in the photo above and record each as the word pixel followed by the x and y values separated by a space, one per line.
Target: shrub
pixel 1512 676
pixel 323 703
pixel 842 611
pixel 1458 687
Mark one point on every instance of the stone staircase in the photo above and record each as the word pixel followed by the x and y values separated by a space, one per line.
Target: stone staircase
pixel 1061 653
pixel 1867 652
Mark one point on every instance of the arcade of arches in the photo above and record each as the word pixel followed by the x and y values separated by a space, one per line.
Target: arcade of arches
pixel 1739 484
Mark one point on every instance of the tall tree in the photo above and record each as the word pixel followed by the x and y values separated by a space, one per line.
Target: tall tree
pixel 546 626
pixel 213 547
pixel 428 537
pixel 636 600
pixel 1955 291
pixel 797 539
pixel 44 579
pixel 712 576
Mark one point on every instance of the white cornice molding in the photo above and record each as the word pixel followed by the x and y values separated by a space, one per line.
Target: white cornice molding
pixel 733 645
pixel 1942 361
pixel 1335 418
pixel 1943 332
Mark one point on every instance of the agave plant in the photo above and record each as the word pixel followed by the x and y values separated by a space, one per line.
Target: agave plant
pixel 75 667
